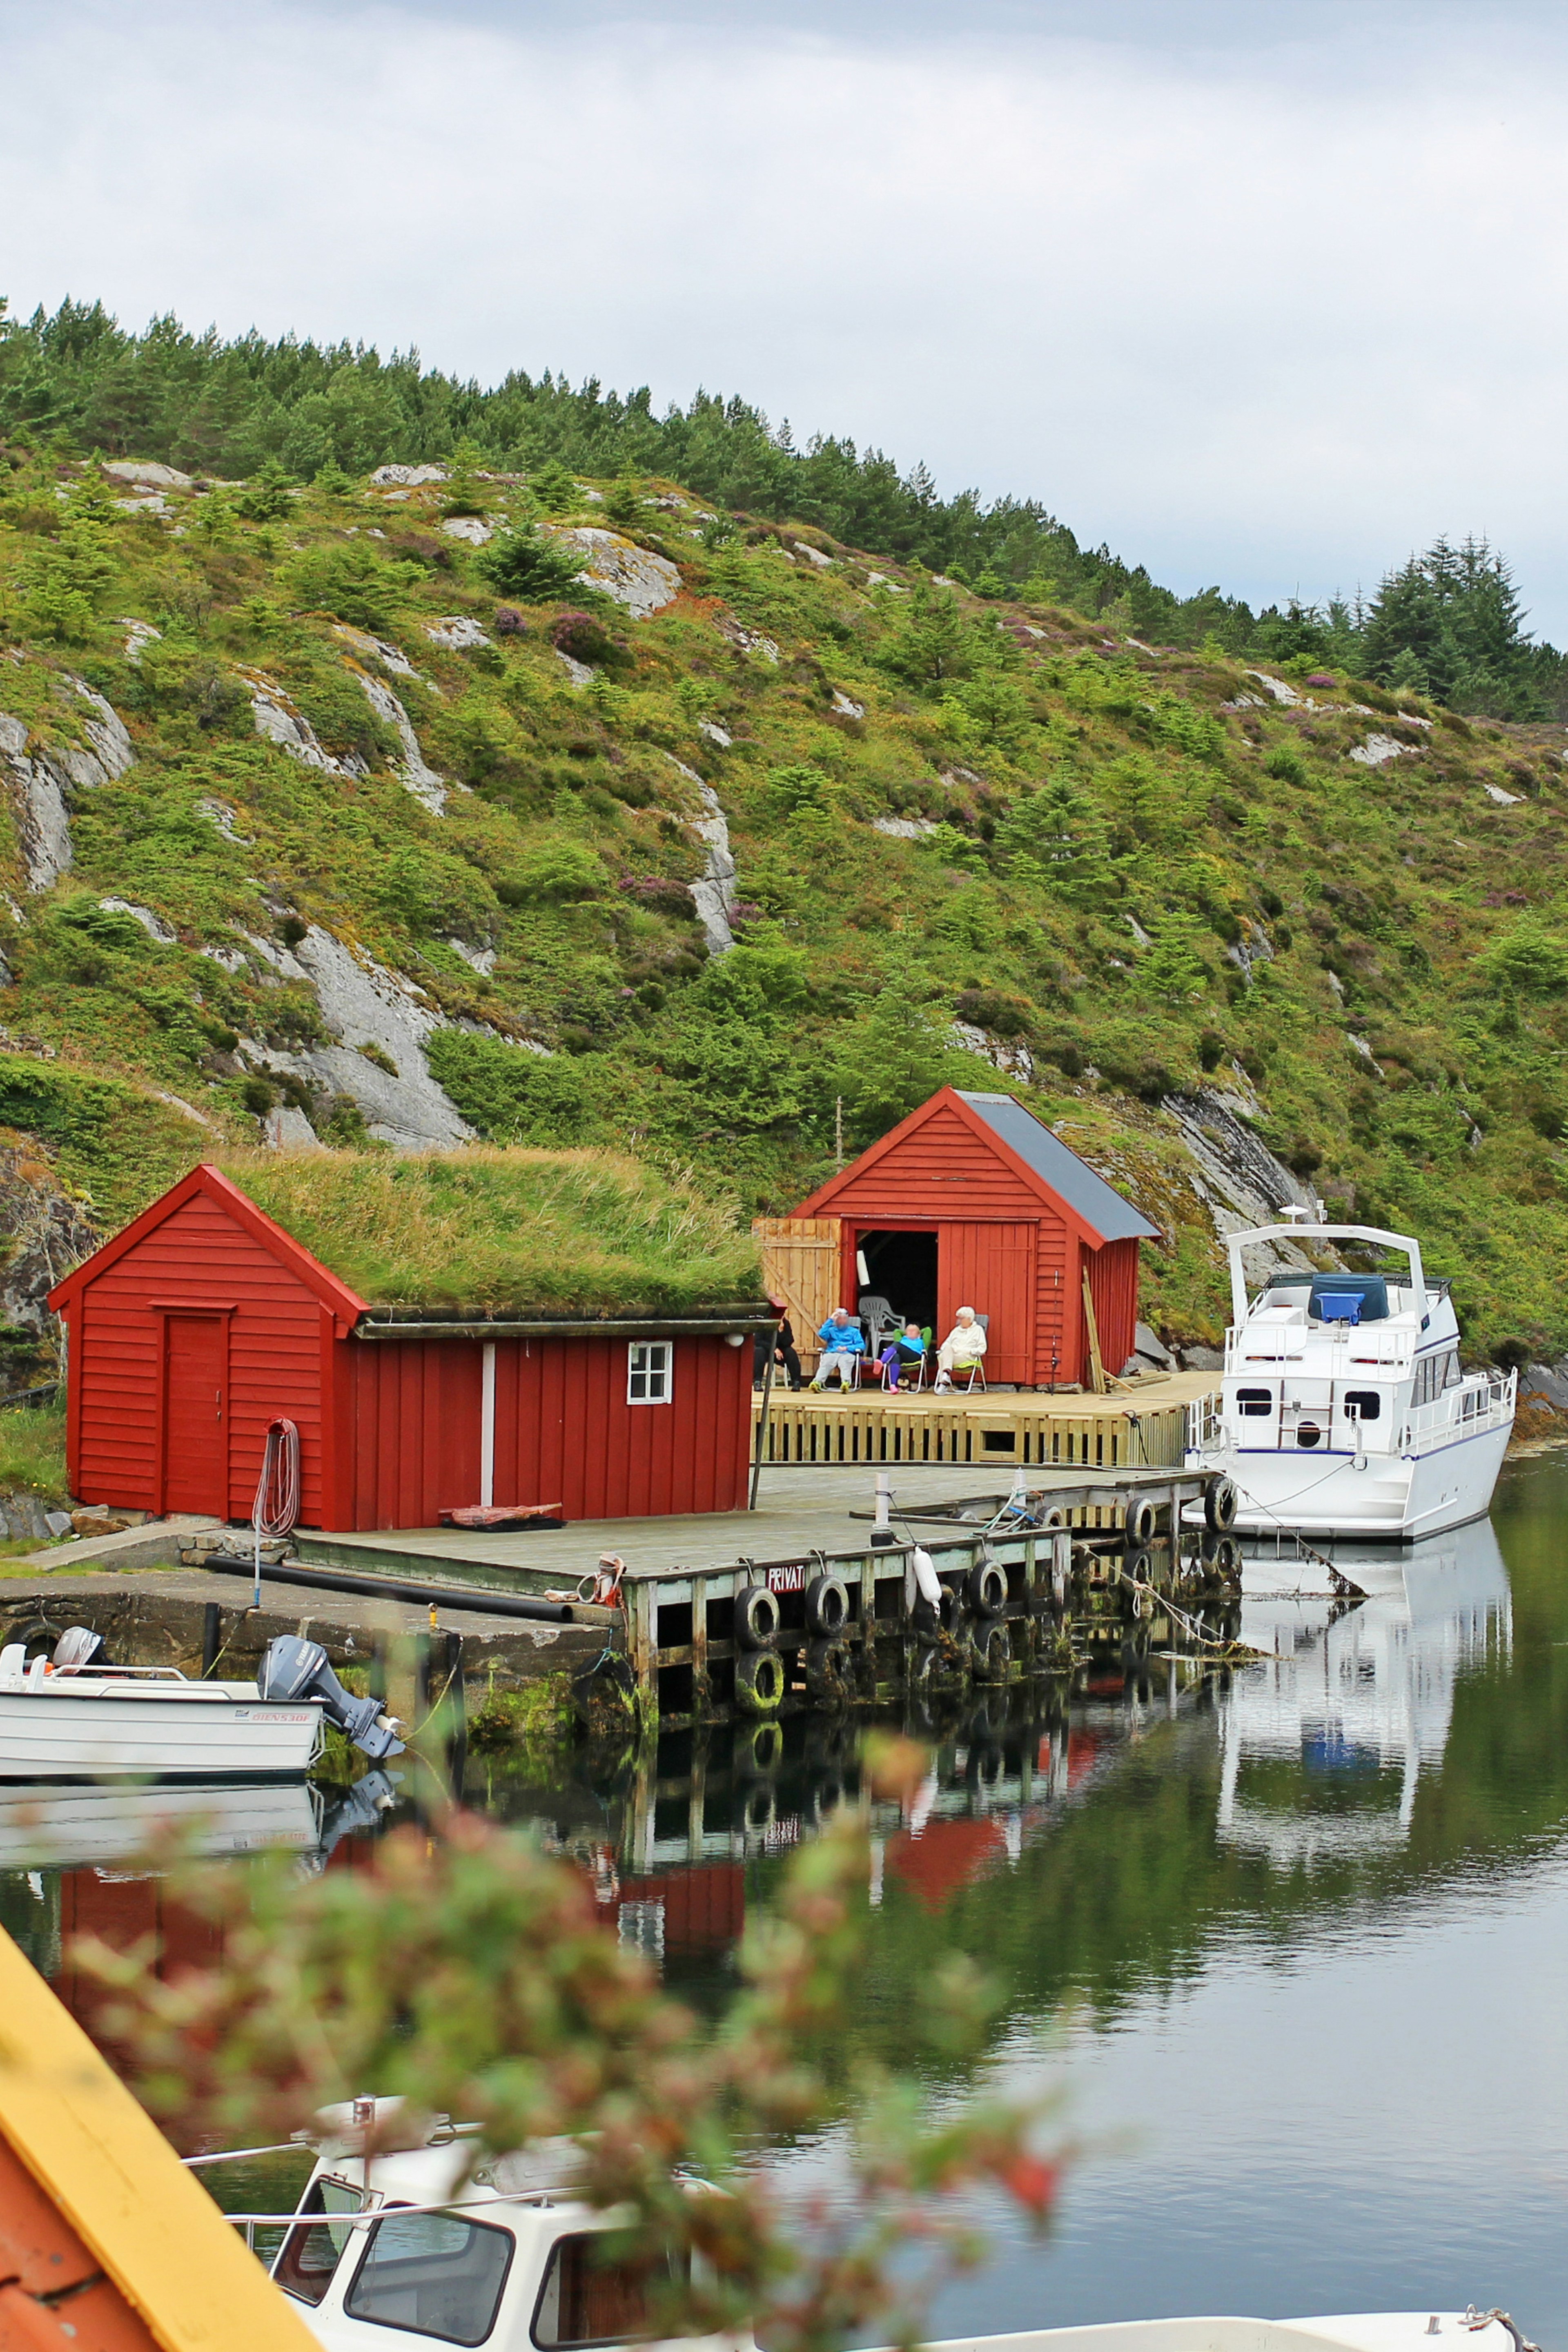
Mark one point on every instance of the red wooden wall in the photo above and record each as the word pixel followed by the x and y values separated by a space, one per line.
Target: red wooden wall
pixel 1000 1249
pixel 193 1334
pixel 1113 1286
pixel 564 1430
pixel 269 1335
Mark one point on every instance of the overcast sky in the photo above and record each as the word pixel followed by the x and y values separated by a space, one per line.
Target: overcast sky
pixel 1259 294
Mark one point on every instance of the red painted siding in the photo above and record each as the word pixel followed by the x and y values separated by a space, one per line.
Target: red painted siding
pixel 198 1257
pixel 941 1171
pixel 564 1430
pixel 389 1432
pixel 1113 1286
pixel 991 1267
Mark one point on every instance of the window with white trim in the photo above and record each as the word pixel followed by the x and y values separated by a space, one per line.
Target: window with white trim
pixel 648 1371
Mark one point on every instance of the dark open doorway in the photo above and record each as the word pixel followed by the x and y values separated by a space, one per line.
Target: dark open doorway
pixel 901 1268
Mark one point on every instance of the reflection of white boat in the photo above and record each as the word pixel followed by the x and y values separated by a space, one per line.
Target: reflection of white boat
pixel 1345 1691
pixel 402 2249
pixel 1343 1409
pixel 52 1826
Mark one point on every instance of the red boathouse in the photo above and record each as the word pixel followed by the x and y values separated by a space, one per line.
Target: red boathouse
pixel 973 1201
pixel 205 1319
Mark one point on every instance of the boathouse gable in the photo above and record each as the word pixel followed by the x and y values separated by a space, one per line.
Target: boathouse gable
pixel 204 1320
pixel 1017 1223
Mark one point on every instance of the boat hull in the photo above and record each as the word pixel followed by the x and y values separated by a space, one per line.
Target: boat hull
pixel 87 1730
pixel 1394 1499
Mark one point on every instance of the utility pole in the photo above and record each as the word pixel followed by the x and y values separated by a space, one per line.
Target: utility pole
pixel 838 1131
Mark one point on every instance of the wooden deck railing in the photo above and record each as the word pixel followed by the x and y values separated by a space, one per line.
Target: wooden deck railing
pixel 998 1430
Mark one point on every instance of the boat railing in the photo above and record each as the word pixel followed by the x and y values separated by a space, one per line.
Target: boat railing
pixel 1350 1346
pixel 1479 1403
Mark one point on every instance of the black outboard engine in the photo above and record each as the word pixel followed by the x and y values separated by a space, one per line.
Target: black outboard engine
pixel 296 1669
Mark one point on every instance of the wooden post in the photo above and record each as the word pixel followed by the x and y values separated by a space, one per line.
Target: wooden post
pixel 761 1445
pixel 1098 1380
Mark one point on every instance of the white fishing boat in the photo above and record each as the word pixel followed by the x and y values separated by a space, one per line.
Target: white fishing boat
pixel 1345 1409
pixel 388 2249
pixel 70 1716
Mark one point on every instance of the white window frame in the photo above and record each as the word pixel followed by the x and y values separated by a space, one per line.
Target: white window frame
pixel 650 1362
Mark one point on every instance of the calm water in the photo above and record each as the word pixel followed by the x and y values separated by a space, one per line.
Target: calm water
pixel 1291 1943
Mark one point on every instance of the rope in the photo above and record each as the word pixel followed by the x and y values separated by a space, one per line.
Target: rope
pixel 277 1506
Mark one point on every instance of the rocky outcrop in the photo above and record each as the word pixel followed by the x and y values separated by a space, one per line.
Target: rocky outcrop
pixel 44 1232
pixel 637 578
pixel 412 770
pixel 458 631
pixel 408 478
pixel 713 894
pixel 143 475
pixel 369 649
pixel 364 1005
pixel 1008 1054
pixel 278 721
pixel 43 776
pixel 1236 1175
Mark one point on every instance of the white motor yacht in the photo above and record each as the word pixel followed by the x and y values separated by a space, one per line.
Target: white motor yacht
pixel 1345 1409
pixel 396 2250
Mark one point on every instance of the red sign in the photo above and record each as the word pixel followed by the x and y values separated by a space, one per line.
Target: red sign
pixel 790 1577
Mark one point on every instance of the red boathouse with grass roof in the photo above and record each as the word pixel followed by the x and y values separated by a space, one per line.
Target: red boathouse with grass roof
pixel 205 1319
pixel 973 1201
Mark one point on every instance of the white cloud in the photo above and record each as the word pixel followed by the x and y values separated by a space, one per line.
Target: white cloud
pixel 1268 316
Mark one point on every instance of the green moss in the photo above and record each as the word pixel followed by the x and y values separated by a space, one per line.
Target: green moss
pixel 531 1724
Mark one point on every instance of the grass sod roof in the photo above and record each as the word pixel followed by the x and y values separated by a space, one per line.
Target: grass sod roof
pixel 533 1232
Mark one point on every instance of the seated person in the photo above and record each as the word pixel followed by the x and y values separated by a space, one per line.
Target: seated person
pixel 842 1342
pixel 905 1353
pixel 781 1344
pixel 961 1349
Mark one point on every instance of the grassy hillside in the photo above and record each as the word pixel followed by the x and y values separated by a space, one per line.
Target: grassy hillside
pixel 1126 874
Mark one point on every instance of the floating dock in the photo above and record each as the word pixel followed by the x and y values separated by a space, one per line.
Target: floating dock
pixel 1143 1425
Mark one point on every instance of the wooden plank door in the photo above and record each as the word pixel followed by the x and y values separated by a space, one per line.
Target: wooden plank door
pixel 991 1267
pixel 801 1266
pixel 196 1414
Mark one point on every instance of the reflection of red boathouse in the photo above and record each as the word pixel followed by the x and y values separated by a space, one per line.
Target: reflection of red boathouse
pixel 935 1862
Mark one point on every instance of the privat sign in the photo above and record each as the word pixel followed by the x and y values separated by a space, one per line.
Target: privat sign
pixel 788 1578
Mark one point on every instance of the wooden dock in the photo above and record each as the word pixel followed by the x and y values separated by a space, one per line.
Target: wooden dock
pixel 843 1623
pixel 1143 1426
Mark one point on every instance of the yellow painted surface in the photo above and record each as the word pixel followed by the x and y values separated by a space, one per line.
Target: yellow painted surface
pixel 104 2164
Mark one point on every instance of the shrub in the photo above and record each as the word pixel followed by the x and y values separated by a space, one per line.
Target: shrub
pixel 583 636
pixel 510 1094
pixel 558 869
pixel 509 621
pixel 662 896
pixel 528 564
pixel 1285 764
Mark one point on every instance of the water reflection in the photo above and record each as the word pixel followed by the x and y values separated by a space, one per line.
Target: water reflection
pixel 1303 1920
pixel 1352 1691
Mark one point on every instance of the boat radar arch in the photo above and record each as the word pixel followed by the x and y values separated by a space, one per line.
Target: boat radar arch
pixel 1297 1231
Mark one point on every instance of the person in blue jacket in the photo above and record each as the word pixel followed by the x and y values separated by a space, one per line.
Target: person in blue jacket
pixel 842 1341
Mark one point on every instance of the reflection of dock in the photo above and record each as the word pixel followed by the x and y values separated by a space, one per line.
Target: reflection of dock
pixel 1350 1696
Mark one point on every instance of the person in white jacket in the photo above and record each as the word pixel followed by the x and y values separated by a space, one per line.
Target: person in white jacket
pixel 962 1349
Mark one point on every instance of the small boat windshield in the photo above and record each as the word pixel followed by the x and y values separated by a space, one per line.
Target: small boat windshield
pixel 312 2249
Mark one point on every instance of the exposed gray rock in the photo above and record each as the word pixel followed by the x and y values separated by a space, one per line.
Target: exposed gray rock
pixel 812 555
pixel 715 733
pixel 1237 1177
pixel 410 476
pixel 1496 793
pixel 1202 1360
pixel 1377 750
pixel 153 925
pixel 412 770
pixel 1543 1384
pixel 459 631
pixel 904 828
pixel 475 529
pixel 580 673
pixel 225 819
pixel 146 476
pixel 480 959
pixel 637 578
pixel 287 1129
pixel 1149 1343
pixel 750 641
pixel 149 503
pixel 50 1232
pixel 279 722
pixel 139 634
pixel 846 707
pixel 364 1004
pixel 370 648
pixel 38 794
pixel 112 753
pixel 1005 1054
pixel 713 894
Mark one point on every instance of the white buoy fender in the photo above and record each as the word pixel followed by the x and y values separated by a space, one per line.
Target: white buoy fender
pixel 926 1577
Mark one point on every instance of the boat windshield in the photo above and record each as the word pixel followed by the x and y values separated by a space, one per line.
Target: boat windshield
pixel 437 2274
pixel 313 2248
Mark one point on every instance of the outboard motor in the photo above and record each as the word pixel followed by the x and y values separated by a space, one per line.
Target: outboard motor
pixel 76 1649
pixel 293 1669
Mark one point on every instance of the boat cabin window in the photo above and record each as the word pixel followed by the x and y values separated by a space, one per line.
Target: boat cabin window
pixel 1348 1298
pixel 311 2251
pixel 1435 1373
pixel 589 2299
pixel 1255 1403
pixel 435 2273
pixel 1366 1404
